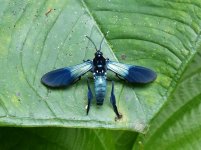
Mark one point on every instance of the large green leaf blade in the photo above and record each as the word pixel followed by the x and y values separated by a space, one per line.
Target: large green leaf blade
pixel 36 40
pixel 177 125
pixel 39 37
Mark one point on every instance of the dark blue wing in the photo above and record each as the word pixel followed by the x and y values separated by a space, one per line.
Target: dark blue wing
pixel 133 74
pixel 65 76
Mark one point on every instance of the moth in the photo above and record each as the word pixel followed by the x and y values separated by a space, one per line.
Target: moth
pixel 99 66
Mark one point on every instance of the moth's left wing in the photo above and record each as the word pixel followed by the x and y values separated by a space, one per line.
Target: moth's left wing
pixel 133 74
pixel 66 76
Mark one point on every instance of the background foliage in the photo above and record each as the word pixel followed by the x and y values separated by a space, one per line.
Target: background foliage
pixel 36 37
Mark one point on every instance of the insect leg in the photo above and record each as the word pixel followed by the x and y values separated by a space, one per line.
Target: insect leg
pixel 90 97
pixel 113 102
pixel 86 60
pixel 76 80
pixel 109 79
pixel 91 78
pixel 119 77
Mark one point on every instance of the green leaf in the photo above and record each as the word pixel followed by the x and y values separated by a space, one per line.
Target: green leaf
pixel 177 125
pixel 35 40
pixel 63 138
pixel 38 37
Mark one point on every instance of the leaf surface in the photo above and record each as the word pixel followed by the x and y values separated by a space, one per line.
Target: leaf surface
pixel 177 125
pixel 39 37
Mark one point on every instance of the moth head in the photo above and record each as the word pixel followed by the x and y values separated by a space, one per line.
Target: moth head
pixel 98 54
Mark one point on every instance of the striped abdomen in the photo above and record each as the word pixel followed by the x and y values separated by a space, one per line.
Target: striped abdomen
pixel 100 89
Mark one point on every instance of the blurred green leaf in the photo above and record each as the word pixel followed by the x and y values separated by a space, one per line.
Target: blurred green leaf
pixel 63 138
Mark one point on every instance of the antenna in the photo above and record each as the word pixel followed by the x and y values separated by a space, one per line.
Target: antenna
pixel 102 40
pixel 91 42
pixel 101 43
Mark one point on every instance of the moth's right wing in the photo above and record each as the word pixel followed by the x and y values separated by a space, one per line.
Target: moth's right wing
pixel 65 76
pixel 131 73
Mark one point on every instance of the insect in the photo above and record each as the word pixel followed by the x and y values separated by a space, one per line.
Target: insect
pixel 99 66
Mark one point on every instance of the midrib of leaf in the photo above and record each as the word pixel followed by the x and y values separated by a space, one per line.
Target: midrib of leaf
pixel 97 25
